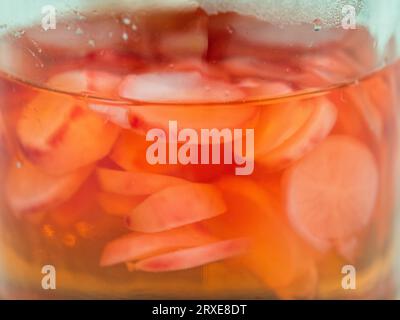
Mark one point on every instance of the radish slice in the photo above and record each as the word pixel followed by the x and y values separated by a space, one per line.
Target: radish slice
pixel 129 153
pixel 179 87
pixel 136 246
pixel 176 206
pixel 116 204
pixel 134 183
pixel 78 36
pixel 277 256
pixel 59 133
pixel 331 192
pixel 194 257
pixel 29 189
pixel 288 131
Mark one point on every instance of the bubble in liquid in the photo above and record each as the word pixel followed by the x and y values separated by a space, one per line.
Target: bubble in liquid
pixel 317 24
pixel 126 21
pixel 79 31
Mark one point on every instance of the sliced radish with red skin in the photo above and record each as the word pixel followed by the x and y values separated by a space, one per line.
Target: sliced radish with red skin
pixel 117 204
pixel 143 118
pixel 129 152
pixel 59 133
pixel 134 183
pixel 331 192
pixel 288 131
pixel 257 89
pixel 77 37
pixel 277 255
pixel 136 246
pixel 28 189
pixel 86 81
pixel 177 87
pixel 194 257
pixel 176 206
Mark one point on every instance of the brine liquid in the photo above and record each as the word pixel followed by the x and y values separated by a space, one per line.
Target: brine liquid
pixel 79 193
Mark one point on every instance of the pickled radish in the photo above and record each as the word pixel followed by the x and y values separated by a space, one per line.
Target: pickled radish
pixel 176 206
pixel 129 152
pixel 117 204
pixel 86 81
pixel 258 89
pixel 278 256
pixel 136 246
pixel 182 87
pixel 134 183
pixel 331 192
pixel 59 133
pixel 288 131
pixel 28 189
pixel 178 87
pixel 194 257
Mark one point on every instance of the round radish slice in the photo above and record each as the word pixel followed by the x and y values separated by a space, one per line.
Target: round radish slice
pixel 277 256
pixel 59 133
pixel 28 189
pixel 136 246
pixel 178 87
pixel 331 192
pixel 176 206
pixel 288 131
pixel 77 37
pixel 116 204
pixel 134 183
pixel 129 152
pixel 194 257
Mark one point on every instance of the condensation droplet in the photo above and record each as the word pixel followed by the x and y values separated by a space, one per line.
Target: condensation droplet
pixel 317 24
pixel 19 33
pixel 79 31
pixel 125 36
pixel 134 27
pixel 126 21
pixel 92 43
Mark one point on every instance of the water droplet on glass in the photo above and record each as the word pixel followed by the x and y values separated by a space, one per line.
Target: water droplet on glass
pixel 92 43
pixel 79 31
pixel 125 36
pixel 134 27
pixel 126 21
pixel 19 33
pixel 317 24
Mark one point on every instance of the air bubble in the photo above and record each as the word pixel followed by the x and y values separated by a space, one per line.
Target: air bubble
pixel 92 43
pixel 126 21
pixel 125 36
pixel 79 31
pixel 317 24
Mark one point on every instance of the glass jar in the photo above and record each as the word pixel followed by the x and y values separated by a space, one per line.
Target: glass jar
pixel 198 149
